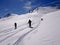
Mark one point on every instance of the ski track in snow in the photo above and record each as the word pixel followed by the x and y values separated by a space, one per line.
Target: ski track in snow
pixel 12 28
pixel 13 33
pixel 6 32
pixel 16 30
pixel 9 30
pixel 21 37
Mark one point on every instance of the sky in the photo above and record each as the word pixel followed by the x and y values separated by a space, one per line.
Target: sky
pixel 23 6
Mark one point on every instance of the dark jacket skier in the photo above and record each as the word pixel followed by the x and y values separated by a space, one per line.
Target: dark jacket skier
pixel 15 24
pixel 29 23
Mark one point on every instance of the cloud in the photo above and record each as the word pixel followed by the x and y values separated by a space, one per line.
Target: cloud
pixel 28 5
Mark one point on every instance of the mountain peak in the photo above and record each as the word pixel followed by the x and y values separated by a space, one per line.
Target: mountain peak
pixel 44 10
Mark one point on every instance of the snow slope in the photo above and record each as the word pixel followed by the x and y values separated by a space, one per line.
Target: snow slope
pixel 8 35
pixel 46 32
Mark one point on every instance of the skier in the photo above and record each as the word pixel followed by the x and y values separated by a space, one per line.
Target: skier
pixel 29 22
pixel 15 24
pixel 41 19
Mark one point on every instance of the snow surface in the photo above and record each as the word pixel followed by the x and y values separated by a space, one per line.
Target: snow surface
pixel 46 32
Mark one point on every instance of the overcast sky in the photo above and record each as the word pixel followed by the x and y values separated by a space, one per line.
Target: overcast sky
pixel 23 6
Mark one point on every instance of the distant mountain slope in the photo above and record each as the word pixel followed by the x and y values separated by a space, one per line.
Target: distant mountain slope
pixel 45 10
